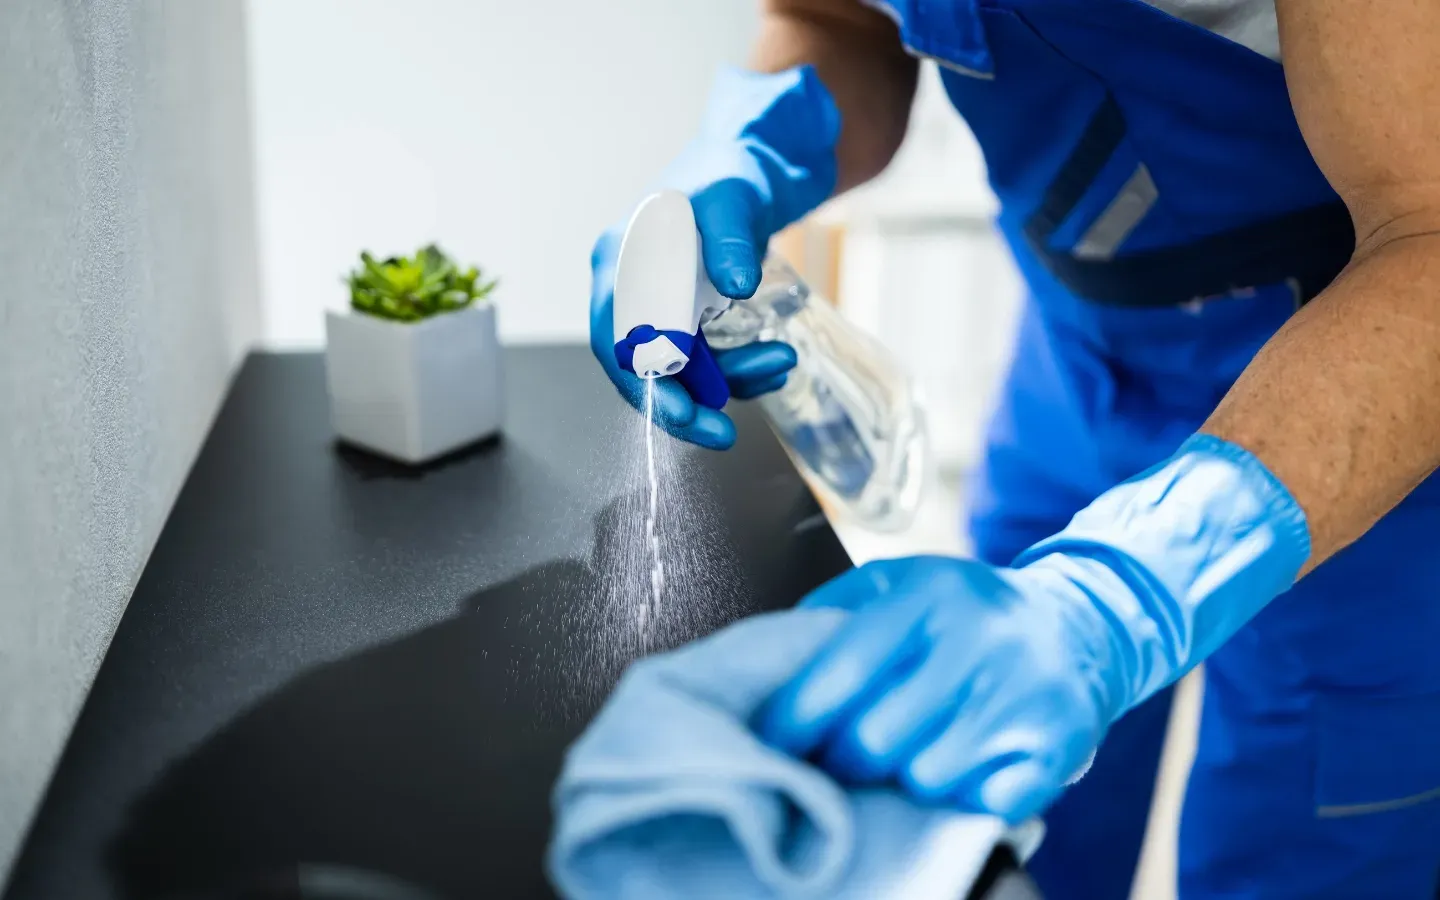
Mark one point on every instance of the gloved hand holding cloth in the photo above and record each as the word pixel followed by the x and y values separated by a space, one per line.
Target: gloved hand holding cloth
pixel 988 688
pixel 670 793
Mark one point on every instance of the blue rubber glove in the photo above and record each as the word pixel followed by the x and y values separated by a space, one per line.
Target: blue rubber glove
pixel 990 687
pixel 764 158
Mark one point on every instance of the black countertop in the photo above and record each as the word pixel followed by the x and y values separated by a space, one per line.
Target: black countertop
pixel 334 667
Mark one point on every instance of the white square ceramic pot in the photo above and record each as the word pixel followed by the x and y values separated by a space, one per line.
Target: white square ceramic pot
pixel 413 391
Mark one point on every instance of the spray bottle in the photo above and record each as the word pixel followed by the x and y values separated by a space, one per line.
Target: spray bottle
pixel 847 412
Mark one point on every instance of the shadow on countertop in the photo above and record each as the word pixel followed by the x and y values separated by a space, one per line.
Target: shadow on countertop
pixel 421 769
pixel 368 466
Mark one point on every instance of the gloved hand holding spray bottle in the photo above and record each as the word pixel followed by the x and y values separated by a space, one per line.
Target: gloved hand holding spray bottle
pixel 845 411
pixel 693 302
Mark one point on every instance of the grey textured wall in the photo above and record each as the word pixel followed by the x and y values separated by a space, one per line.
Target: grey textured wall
pixel 127 293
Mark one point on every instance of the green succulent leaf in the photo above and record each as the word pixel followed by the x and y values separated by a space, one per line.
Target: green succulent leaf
pixel 409 289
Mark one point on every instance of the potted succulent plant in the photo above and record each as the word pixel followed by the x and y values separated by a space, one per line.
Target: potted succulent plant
pixel 413 367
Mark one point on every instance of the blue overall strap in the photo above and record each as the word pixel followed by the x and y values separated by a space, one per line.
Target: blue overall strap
pixel 1307 247
pixel 1141 161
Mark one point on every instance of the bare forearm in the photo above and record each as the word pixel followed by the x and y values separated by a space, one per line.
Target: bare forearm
pixel 1343 405
pixel 857 53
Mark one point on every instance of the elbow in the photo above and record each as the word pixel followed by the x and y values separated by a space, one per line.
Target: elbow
pixel 1385 218
pixel 867 152
pixel 871 136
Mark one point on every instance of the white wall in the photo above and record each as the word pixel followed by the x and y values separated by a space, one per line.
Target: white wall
pixel 513 131
pixel 127 242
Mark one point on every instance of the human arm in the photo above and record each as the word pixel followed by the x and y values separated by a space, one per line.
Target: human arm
pixel 987 687
pixel 823 108
pixel 1343 404
pixel 857 52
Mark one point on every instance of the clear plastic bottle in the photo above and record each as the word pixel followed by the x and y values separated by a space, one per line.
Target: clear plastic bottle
pixel 848 411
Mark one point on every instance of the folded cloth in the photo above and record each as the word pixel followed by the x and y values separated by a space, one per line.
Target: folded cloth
pixel 669 793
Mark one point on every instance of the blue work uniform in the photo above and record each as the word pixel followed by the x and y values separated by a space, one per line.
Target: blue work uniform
pixel 1168 218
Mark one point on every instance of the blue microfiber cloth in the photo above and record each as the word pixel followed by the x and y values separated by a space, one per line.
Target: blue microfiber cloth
pixel 669 794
